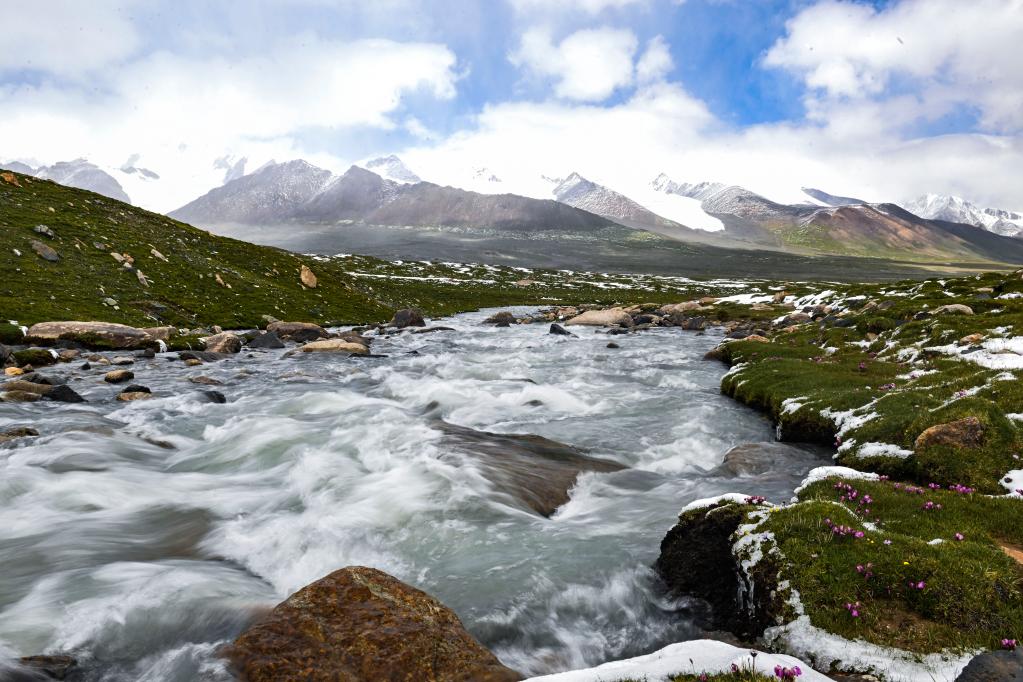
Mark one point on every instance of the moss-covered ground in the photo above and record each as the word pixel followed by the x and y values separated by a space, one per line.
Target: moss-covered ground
pixel 930 556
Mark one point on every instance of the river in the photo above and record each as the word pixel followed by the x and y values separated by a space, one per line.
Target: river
pixel 141 536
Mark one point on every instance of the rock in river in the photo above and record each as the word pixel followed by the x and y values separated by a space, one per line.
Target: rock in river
pixel 535 470
pixel 407 317
pixel 106 334
pixel 602 318
pixel 118 376
pixel 334 345
pixel 360 624
pixel 224 342
pixel 299 332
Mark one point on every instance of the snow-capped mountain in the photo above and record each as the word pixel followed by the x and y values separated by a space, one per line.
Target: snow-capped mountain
pixel 84 175
pixel 392 168
pixel 575 190
pixel 269 195
pixel 821 198
pixel 301 193
pixel 958 210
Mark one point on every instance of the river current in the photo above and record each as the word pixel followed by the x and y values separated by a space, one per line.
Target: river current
pixel 139 537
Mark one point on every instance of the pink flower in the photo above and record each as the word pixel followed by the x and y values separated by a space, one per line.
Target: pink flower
pixel 960 537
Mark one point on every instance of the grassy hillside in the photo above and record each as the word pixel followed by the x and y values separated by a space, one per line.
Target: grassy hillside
pixel 183 287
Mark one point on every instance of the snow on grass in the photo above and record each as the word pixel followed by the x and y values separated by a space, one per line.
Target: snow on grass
pixel 793 404
pixel 995 353
pixel 822 473
pixel 829 651
pixel 882 450
pixel 696 656
pixel 714 501
pixel 747 299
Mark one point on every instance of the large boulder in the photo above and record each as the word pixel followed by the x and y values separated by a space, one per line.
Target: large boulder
pixel 307 277
pixel 994 666
pixel 962 433
pixel 93 334
pixel 299 332
pixel 336 346
pixel 602 318
pixel 359 625
pixel 224 342
pixel 673 309
pixel 954 309
pixel 407 317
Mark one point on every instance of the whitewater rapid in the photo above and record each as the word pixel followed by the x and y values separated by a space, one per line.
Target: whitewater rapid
pixel 141 536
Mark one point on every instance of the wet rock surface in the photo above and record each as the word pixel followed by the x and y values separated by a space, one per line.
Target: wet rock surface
pixel 537 471
pixel 360 625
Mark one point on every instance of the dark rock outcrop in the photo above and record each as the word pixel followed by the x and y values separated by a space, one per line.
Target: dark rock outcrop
pixel 360 624
pixel 299 332
pixel 697 560
pixel 407 317
pixel 266 341
pixel 994 666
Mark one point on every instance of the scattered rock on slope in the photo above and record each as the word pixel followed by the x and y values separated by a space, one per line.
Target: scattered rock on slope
pixel 360 624
pixel 963 433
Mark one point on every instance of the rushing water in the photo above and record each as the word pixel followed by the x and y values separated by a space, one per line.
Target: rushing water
pixel 141 558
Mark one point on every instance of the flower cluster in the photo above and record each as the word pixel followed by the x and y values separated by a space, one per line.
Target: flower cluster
pixel 866 570
pixel 959 536
pixel 929 505
pixel 961 489
pixel 847 493
pixel 911 489
pixel 1008 644
pixel 840 530
pixel 961 394
pixel 886 387
pixel 917 584
pixel 853 608
pixel 756 499
pixel 787 673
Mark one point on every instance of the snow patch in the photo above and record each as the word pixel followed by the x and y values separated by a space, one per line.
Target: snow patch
pixel 700 655
pixel 714 501
pixel 822 473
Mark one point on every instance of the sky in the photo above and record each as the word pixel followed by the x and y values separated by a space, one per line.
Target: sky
pixel 882 100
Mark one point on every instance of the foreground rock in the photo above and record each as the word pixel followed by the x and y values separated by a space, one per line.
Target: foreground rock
pixel 532 469
pixel 994 666
pixel 54 667
pixel 92 334
pixel 602 318
pixel 360 624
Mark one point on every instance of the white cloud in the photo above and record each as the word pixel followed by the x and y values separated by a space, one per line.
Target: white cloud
pixel 65 37
pixel 656 62
pixel 948 52
pixel 181 112
pixel 560 6
pixel 588 65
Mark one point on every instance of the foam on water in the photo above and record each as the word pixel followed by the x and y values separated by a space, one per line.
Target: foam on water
pixel 140 558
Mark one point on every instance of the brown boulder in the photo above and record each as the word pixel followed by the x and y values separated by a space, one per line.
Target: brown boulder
pixel 602 318
pixel 118 376
pixel 45 252
pixel 225 342
pixel 307 277
pixel 300 332
pixel 90 333
pixel 407 317
pixel 963 433
pixel 334 345
pixel 19 397
pixel 360 624
pixel 27 387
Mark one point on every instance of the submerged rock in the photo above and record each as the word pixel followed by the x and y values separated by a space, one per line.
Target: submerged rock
pixel 14 434
pixel 202 356
pixel 64 394
pixel 535 470
pixel 558 330
pixel 360 624
pixel 53 667
pixel 503 317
